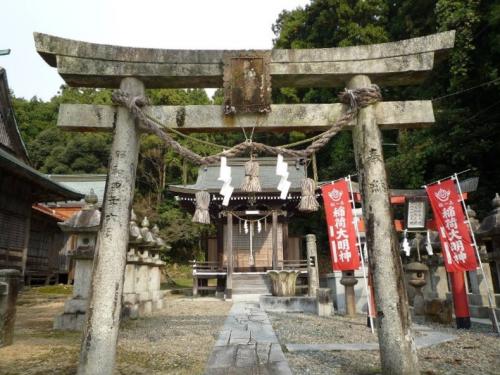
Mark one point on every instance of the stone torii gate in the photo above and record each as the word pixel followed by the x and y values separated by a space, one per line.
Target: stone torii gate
pixel 132 70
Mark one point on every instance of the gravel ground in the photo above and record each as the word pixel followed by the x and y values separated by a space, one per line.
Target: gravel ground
pixel 176 340
pixel 474 352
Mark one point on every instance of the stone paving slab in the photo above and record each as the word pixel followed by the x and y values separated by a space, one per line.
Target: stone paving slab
pixel 247 344
pixel 428 338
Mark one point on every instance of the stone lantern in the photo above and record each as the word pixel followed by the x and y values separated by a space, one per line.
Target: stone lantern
pixel 141 289
pixel 84 226
pixel 417 271
pixel 488 236
pixel 348 280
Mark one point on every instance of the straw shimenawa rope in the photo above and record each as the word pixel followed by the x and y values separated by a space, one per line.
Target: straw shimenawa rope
pixel 355 99
pixel 201 215
pixel 308 201
pixel 251 182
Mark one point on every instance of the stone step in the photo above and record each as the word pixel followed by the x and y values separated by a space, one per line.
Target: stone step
pixel 251 291
pixel 251 284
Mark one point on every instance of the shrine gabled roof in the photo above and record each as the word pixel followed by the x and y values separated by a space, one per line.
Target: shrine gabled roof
pixel 207 176
pixel 10 137
pixel 44 189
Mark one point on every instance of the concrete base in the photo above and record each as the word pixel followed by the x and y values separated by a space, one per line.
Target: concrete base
pixel 69 322
pixel 295 304
pixel 429 338
pixel 10 284
pixel 73 318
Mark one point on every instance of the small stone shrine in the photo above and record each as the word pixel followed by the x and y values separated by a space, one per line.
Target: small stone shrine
pixel 141 293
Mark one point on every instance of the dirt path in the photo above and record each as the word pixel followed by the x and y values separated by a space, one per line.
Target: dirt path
pixel 177 340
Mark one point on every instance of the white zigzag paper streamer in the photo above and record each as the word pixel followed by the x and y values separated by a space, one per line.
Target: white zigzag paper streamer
pixel 225 176
pixel 428 245
pixel 282 171
pixel 406 244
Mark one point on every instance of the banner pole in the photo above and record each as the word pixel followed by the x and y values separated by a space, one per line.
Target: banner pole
pixel 494 320
pixel 445 178
pixel 355 218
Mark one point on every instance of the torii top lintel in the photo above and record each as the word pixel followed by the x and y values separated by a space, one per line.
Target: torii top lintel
pixel 85 64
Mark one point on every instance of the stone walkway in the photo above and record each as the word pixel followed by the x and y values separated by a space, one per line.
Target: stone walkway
pixel 429 337
pixel 247 344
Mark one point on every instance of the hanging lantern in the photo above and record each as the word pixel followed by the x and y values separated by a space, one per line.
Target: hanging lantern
pixel 308 201
pixel 251 182
pixel 201 214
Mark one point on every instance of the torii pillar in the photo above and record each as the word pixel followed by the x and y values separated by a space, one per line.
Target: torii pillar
pixel 397 347
pixel 405 62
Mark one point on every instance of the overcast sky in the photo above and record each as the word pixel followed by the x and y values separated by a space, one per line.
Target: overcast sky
pixel 179 24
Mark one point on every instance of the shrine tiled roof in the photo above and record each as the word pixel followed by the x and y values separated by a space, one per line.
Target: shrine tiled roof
pixel 207 176
pixel 44 189
pixel 81 183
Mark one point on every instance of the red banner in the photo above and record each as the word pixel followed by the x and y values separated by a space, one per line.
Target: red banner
pixel 456 243
pixel 341 230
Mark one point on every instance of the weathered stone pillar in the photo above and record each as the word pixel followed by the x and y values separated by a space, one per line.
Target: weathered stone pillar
pixel 324 304
pixel 348 281
pixel 10 283
pixel 98 348
pixel 274 235
pixel 130 295
pixel 229 247
pixel 397 349
pixel 312 264
pixel 143 275
pixel 441 280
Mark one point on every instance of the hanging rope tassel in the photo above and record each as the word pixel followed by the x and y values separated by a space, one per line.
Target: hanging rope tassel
pixel 201 215
pixel 308 201
pixel 251 183
pixel 428 245
pixel 406 245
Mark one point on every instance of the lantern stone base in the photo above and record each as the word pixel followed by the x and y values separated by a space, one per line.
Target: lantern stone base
pixel 69 322
pixel 332 281
pixel 293 304
pixel 438 311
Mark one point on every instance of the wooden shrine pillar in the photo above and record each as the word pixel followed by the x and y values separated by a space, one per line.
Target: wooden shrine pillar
pixel 229 247
pixel 397 349
pixel 275 239
pixel 98 350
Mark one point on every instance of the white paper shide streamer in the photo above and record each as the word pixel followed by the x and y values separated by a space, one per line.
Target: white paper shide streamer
pixel 406 244
pixel 225 176
pixel 282 171
pixel 428 245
